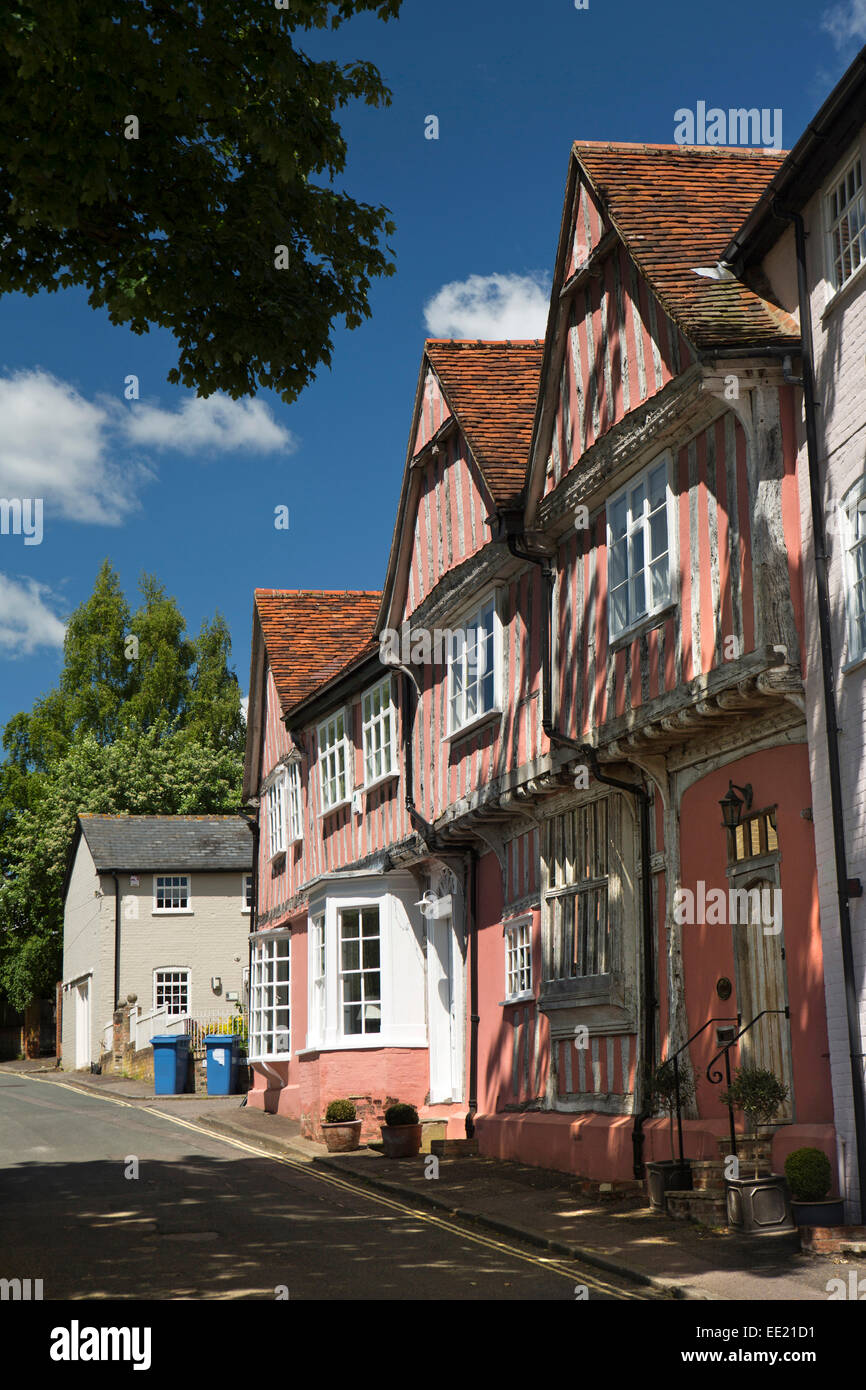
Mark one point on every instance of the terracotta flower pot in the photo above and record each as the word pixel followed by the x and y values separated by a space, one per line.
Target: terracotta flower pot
pixel 343 1136
pixel 401 1141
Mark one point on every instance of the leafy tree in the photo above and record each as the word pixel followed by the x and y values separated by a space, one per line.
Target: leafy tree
pixel 171 148
pixel 156 732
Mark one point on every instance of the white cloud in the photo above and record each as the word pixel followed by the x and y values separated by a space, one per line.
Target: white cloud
pixel 489 306
pixel 26 619
pixel 215 422
pixel 846 23
pixel 84 458
pixel 245 705
pixel 54 444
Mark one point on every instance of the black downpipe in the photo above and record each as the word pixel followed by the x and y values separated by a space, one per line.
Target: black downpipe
pixel 855 1039
pixel 641 796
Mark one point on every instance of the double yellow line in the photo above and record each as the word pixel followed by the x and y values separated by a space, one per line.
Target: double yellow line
pixel 550 1265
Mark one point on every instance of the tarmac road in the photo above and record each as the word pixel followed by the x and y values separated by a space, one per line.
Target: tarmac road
pixel 106 1200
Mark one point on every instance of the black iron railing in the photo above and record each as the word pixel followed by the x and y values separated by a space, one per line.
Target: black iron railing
pixel 714 1077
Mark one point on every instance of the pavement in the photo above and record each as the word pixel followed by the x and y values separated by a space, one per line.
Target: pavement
pixel 532 1205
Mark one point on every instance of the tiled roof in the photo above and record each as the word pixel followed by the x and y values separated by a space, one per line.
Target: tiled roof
pixel 311 635
pixel 168 842
pixel 492 388
pixel 677 207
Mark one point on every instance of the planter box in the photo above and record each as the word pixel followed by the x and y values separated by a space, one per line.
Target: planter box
pixel 342 1137
pixel 667 1175
pixel 825 1211
pixel 401 1141
pixel 759 1206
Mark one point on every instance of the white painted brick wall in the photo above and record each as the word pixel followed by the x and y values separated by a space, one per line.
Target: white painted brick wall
pixel 839 335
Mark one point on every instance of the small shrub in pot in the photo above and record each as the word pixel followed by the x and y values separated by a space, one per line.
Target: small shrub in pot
pixel 341 1128
pixel 665 1175
pixel 758 1093
pixel 760 1205
pixel 340 1112
pixel 810 1177
pixel 401 1132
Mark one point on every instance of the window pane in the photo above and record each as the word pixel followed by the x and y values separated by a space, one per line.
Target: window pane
pixel 619 608
pixel 618 563
pixel 659 573
pixel 617 519
pixel 658 534
pixel 657 487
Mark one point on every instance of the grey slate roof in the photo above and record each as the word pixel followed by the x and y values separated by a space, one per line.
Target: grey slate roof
pixel 168 842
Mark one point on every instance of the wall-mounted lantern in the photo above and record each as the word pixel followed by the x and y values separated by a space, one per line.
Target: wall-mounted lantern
pixel 732 805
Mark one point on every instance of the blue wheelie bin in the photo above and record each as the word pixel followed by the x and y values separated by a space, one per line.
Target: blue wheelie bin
pixel 222 1063
pixel 170 1063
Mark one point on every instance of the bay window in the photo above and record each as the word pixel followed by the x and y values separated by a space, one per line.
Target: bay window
pixel 270 1032
pixel 360 970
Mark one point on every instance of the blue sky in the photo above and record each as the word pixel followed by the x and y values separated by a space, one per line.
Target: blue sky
pixel 187 490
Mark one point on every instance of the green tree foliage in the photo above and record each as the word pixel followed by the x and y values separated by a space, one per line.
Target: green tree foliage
pixel 171 147
pixel 160 733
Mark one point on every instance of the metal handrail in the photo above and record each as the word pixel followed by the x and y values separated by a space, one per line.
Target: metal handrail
pixel 715 1078
pixel 675 1059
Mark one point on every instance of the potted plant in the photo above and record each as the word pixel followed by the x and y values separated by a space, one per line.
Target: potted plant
pixel 760 1205
pixel 666 1175
pixel 401 1132
pixel 340 1127
pixel 810 1177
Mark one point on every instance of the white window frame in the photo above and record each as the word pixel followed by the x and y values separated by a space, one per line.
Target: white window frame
pixel 517 938
pixel 275 798
pixel 375 999
pixel 458 659
pixel 246 906
pixel 269 951
pixel 635 526
pixel 294 803
pixel 853 501
pixel 373 726
pixel 830 222
pixel 172 911
pixel 317 967
pixel 340 747
pixel 187 985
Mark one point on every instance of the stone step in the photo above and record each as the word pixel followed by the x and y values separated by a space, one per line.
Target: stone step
pixel 454 1148
pixel 706 1207
pixel 708 1175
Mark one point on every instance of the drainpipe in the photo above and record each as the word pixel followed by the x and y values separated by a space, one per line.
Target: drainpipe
pixel 855 1038
pixel 639 792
